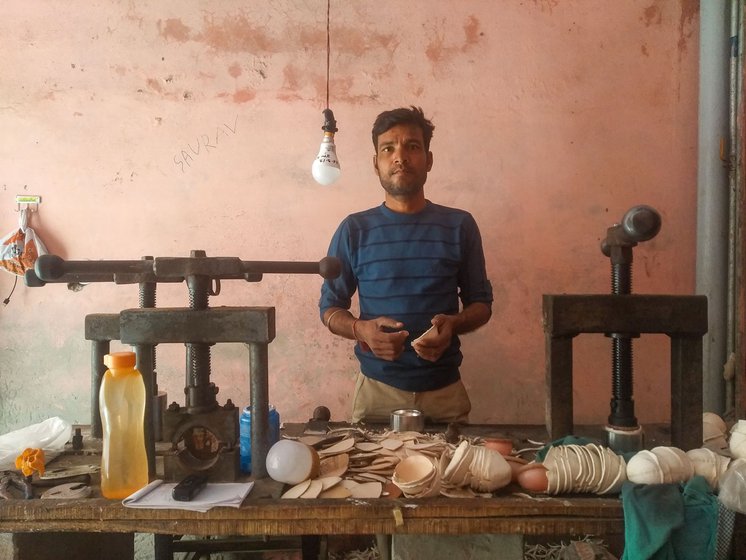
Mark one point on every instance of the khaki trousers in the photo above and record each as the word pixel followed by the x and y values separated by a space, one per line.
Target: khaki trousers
pixel 374 401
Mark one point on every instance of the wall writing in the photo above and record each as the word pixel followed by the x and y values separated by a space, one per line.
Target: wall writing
pixel 203 144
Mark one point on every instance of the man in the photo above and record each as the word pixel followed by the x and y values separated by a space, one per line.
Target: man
pixel 410 261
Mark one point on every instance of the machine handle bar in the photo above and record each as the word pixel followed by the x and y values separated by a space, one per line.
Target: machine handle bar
pixel 51 268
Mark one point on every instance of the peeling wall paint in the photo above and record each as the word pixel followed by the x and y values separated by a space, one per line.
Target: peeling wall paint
pixel 156 128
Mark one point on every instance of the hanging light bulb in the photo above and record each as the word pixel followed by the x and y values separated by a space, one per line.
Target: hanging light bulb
pixel 325 168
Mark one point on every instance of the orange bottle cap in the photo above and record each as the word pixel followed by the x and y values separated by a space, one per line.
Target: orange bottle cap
pixel 120 360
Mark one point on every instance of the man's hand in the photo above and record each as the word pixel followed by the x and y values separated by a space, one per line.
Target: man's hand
pixel 435 341
pixel 383 336
pixel 432 345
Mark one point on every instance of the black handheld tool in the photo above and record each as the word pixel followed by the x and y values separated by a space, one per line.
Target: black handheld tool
pixel 189 487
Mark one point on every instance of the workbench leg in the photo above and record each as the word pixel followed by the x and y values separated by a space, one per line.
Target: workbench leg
pixel 559 405
pixel 162 549
pixel 312 547
pixel 686 392
pixel 383 544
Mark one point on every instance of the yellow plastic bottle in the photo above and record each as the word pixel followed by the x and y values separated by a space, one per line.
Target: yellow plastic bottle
pixel 124 462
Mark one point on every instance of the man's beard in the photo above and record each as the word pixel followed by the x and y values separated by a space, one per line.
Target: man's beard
pixel 402 189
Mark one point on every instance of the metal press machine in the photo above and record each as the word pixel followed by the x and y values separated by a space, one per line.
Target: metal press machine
pixel 203 434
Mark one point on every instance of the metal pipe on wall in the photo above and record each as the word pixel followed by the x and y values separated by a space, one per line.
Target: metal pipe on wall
pixel 737 362
pixel 713 193
pixel 734 173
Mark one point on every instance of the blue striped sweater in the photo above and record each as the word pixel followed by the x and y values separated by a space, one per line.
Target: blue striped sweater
pixel 409 267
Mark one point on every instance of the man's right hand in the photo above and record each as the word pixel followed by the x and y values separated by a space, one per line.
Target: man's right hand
pixel 384 336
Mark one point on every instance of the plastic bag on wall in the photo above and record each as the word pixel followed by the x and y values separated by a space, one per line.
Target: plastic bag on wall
pixel 20 248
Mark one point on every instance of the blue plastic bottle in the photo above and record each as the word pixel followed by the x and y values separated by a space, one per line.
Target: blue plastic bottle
pixel 245 435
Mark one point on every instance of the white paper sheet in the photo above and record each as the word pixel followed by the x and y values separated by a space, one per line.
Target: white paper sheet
pixel 157 495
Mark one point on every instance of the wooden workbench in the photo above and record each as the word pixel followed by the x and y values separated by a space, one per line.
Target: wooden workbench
pixel 551 518
pixel 506 513
pixel 510 511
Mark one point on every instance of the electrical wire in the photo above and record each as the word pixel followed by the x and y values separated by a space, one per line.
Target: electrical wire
pixel 6 301
pixel 328 43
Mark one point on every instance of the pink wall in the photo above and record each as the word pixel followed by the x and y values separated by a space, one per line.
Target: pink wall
pixel 553 117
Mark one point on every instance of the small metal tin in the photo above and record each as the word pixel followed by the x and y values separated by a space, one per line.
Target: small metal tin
pixel 407 420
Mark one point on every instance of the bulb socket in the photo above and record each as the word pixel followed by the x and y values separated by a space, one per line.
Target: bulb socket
pixel 330 125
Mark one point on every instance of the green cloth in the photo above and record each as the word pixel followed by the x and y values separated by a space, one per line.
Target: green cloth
pixel 698 538
pixel 669 521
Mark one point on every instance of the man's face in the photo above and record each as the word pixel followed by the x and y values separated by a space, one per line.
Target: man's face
pixel 401 160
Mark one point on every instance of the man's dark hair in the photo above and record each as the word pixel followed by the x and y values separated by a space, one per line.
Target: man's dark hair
pixel 413 115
